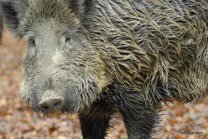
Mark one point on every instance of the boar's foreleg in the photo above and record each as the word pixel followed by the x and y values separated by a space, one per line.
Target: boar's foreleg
pixel 139 118
pixel 95 122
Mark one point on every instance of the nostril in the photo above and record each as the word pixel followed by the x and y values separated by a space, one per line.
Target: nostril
pixel 57 103
pixel 45 107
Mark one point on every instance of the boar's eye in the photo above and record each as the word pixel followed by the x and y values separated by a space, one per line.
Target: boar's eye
pixel 32 42
pixel 68 39
pixel 32 47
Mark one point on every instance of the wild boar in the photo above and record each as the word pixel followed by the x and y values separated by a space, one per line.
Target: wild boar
pixel 100 57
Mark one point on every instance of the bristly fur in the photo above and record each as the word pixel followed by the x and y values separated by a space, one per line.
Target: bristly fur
pixel 48 9
pixel 158 47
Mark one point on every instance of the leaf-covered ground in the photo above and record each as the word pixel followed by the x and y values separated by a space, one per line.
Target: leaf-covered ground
pixel 17 121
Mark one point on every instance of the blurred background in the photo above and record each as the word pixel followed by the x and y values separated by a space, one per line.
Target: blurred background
pixel 17 121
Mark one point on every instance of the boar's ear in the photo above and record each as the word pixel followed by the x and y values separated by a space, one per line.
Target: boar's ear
pixel 12 11
pixel 80 7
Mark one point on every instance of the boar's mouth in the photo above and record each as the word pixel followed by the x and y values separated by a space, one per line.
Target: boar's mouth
pixel 68 106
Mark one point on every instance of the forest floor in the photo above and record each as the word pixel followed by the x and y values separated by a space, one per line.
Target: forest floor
pixel 17 121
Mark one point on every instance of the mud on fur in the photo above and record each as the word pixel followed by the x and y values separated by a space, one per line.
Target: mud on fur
pixel 100 57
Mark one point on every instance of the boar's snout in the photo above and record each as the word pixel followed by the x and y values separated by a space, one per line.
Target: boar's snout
pixel 51 104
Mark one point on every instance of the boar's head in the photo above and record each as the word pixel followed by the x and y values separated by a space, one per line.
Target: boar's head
pixel 62 70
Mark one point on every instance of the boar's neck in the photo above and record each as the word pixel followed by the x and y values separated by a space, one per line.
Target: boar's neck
pixel 129 63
